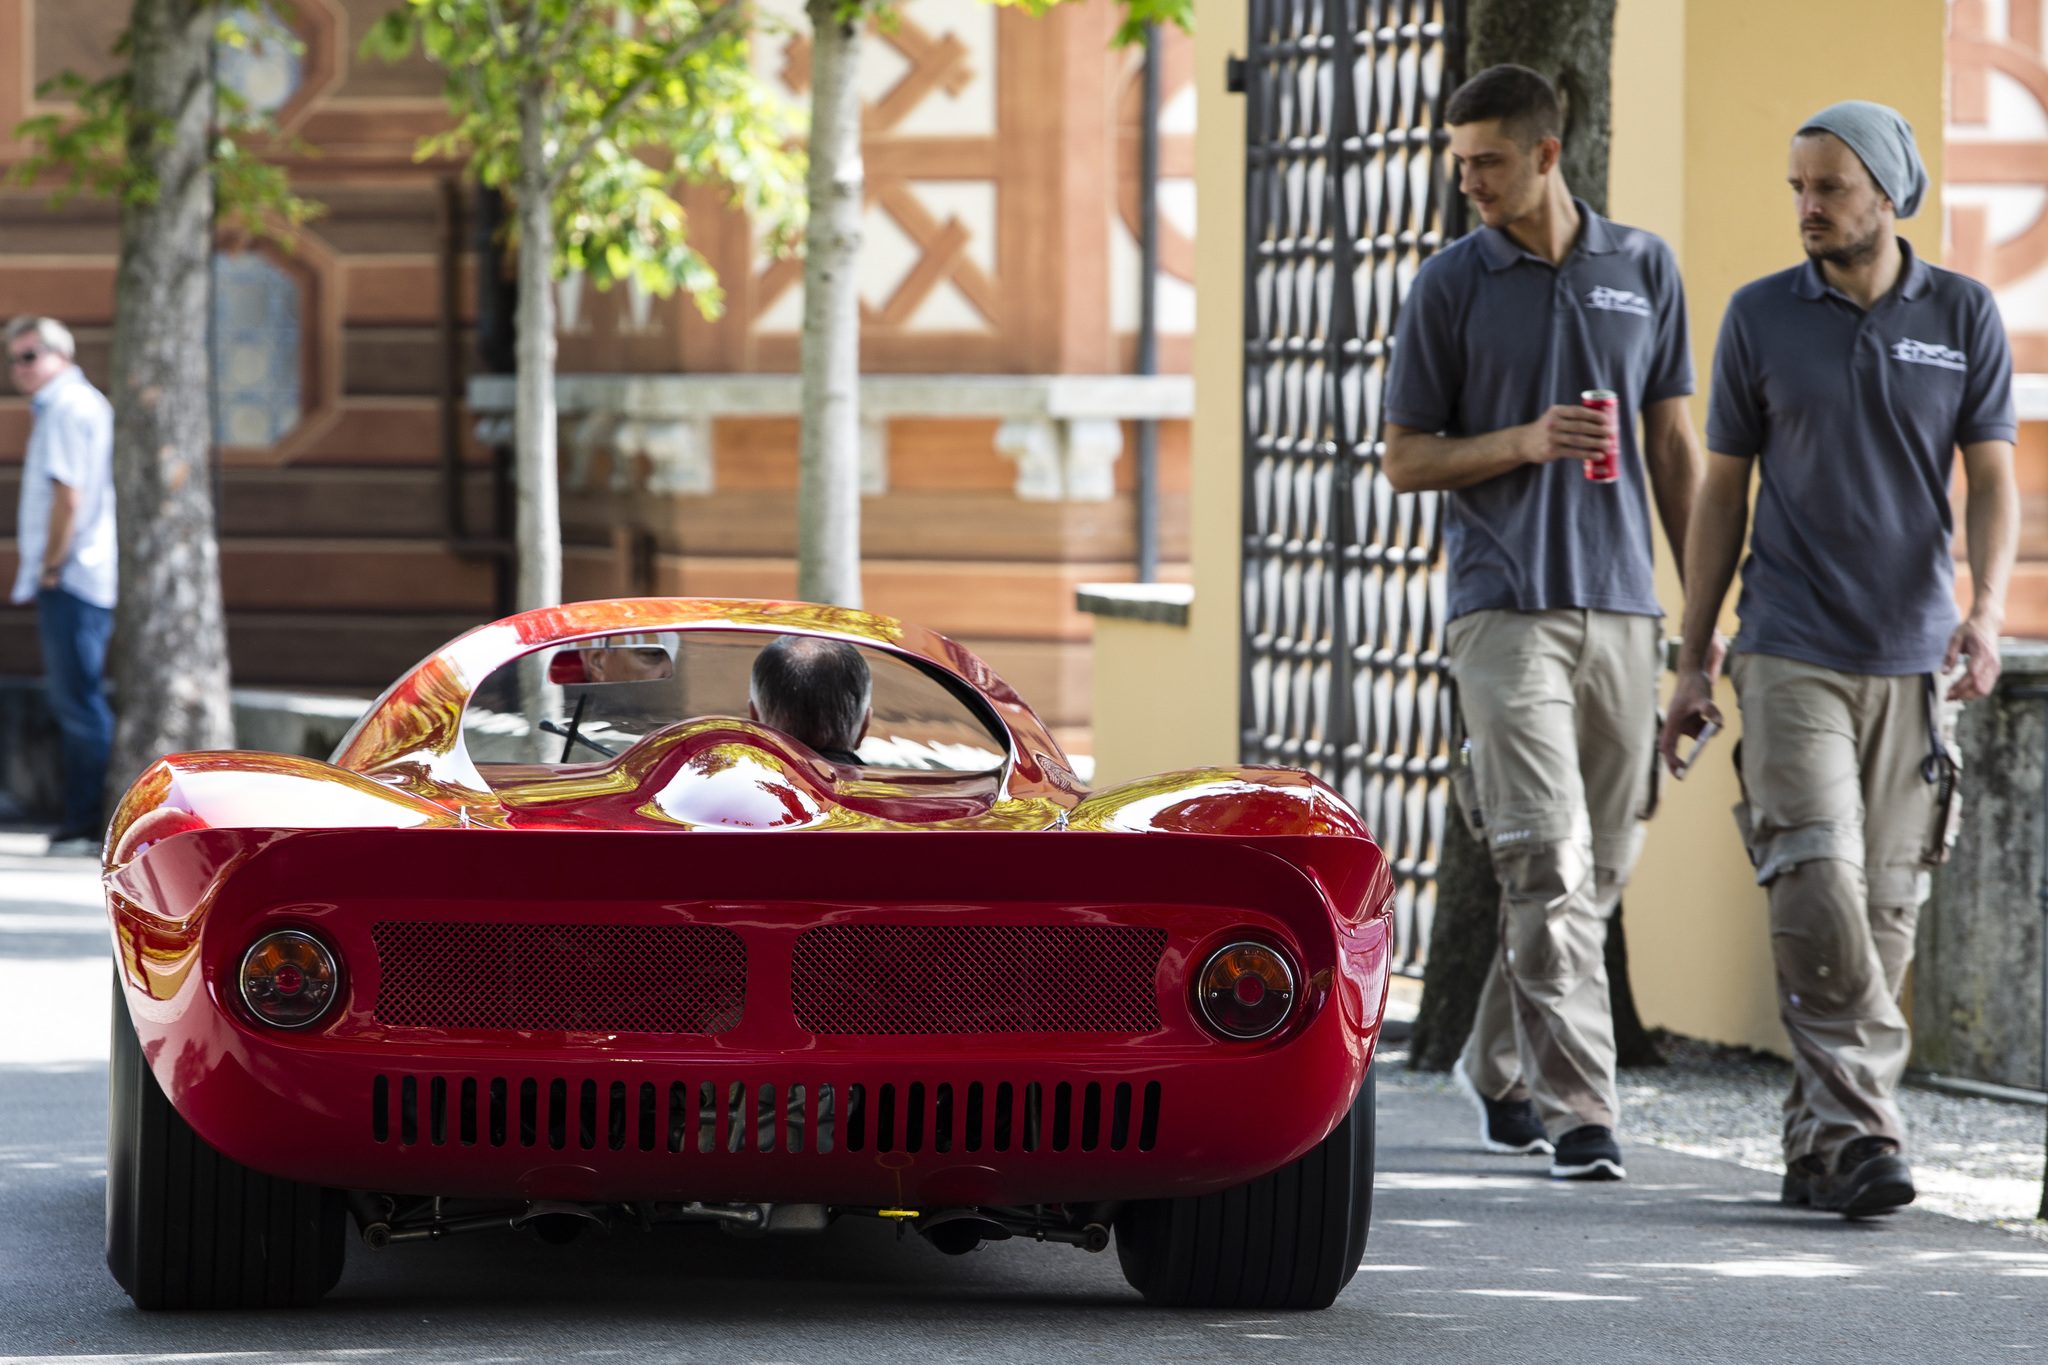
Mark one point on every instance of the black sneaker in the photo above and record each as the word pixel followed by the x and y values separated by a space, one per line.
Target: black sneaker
pixel 1588 1152
pixel 1800 1178
pixel 1870 1177
pixel 1508 1127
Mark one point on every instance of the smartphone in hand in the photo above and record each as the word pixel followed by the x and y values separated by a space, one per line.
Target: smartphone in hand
pixel 1699 742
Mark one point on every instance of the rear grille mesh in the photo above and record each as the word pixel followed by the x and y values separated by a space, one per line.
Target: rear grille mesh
pixel 979 978
pixel 584 978
pixel 704 1117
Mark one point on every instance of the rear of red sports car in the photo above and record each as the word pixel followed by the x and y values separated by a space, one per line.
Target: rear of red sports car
pixel 712 976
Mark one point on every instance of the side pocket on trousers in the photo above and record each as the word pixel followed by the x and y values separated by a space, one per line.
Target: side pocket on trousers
pixel 1653 795
pixel 1745 818
pixel 1464 783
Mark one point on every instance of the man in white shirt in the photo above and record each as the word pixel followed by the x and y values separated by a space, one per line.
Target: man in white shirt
pixel 65 537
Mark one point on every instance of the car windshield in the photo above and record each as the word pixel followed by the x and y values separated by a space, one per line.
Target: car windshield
pixel 653 680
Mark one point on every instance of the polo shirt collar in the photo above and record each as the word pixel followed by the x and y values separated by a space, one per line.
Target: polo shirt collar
pixel 1914 276
pixel 47 394
pixel 1596 238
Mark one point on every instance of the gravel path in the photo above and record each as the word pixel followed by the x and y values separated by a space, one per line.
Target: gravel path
pixel 1972 1158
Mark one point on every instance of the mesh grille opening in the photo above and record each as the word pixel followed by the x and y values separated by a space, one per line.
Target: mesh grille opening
pixel 981 978
pixel 579 978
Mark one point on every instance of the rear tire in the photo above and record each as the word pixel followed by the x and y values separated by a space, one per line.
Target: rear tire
pixel 189 1228
pixel 1291 1239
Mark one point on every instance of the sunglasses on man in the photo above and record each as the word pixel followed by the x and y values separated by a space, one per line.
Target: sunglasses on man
pixel 28 357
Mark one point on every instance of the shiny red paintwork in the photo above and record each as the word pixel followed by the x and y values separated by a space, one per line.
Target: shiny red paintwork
pixel 210 850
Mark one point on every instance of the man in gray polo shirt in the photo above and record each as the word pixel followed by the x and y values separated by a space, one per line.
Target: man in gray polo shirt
pixel 1555 634
pixel 1849 382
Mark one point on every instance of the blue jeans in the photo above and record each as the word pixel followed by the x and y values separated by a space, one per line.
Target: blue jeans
pixel 74 634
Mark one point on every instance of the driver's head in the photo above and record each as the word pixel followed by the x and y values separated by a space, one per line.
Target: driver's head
pixel 812 690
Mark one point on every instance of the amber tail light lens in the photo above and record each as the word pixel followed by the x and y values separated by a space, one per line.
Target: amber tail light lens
pixel 1245 990
pixel 289 978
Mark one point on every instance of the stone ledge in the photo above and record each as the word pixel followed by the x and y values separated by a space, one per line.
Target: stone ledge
pixel 1164 603
pixel 2024 662
pixel 1062 397
pixel 1064 431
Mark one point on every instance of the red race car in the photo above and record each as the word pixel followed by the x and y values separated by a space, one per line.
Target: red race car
pixel 563 935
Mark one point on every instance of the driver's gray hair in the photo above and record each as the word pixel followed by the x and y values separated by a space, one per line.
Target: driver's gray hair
pixel 812 689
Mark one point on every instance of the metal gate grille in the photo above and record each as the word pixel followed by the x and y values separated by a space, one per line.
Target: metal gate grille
pixel 1346 195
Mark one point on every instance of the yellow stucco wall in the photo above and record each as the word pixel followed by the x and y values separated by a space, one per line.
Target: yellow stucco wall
pixel 1166 696
pixel 1706 97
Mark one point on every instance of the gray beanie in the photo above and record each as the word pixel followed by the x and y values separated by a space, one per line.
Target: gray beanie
pixel 1882 138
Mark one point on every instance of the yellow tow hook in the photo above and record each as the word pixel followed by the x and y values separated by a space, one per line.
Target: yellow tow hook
pixel 902 1217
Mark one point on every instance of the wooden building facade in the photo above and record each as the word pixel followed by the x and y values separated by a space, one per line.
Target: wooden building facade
pixel 361 486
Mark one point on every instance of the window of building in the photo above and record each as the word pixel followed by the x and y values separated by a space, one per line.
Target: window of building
pixel 256 350
pixel 262 64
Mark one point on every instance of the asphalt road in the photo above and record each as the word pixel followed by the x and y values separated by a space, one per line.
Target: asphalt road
pixel 1472 1258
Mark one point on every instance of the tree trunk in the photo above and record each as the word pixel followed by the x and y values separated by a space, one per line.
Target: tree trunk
pixel 1571 42
pixel 170 658
pixel 538 524
pixel 828 496
pixel 1462 940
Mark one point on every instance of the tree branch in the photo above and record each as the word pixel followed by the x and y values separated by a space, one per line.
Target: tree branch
pixel 561 42
pixel 497 22
pixel 725 17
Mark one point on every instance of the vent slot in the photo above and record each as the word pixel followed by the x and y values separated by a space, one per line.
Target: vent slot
pixel 647 1116
pixel 1091 1116
pixel 707 1117
pixel 1148 1128
pixel 576 978
pixel 558 1114
pixel 409 1111
pixel 469 1111
pixel 529 1112
pixel 380 1109
pixel 856 1117
pixel 1004 1097
pixel 498 1112
pixel 615 1117
pixel 885 1119
pixel 437 1111
pixel 1120 1118
pixel 909 979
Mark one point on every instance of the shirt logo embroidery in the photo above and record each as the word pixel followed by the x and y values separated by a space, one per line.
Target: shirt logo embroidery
pixel 1928 353
pixel 1617 301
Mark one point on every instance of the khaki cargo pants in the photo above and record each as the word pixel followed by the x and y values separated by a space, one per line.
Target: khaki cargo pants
pixel 1560 708
pixel 1839 817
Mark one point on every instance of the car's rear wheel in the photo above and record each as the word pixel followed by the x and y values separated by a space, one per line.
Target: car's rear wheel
pixel 189 1228
pixel 1291 1239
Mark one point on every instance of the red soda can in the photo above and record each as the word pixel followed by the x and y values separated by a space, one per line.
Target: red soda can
pixel 1606 468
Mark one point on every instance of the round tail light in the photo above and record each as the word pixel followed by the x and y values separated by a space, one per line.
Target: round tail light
pixel 1246 990
pixel 289 978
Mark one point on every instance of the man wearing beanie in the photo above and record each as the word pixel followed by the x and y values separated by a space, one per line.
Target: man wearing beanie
pixel 1555 635
pixel 1849 382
